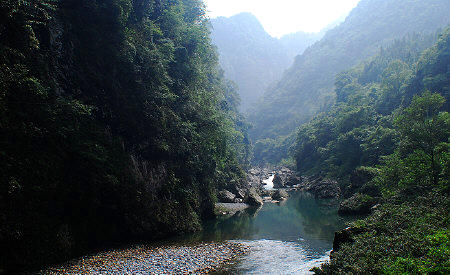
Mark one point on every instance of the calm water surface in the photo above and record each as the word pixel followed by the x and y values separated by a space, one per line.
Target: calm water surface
pixel 289 237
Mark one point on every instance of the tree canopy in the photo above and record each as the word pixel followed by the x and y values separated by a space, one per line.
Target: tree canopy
pixel 116 122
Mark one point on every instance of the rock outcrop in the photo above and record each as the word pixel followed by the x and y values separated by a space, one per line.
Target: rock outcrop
pixel 285 177
pixel 229 208
pixel 322 188
pixel 256 175
pixel 226 196
pixel 280 194
pixel 344 236
pixel 254 198
pixel 358 204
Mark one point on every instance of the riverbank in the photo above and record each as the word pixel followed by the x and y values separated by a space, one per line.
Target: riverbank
pixel 202 258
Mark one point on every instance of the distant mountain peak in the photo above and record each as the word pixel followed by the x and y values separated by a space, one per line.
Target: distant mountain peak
pixel 251 57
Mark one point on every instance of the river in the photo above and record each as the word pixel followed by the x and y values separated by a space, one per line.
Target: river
pixel 289 237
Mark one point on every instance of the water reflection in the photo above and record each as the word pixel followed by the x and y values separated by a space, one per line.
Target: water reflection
pixel 285 238
pixel 300 217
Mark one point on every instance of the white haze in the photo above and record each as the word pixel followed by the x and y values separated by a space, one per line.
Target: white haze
pixel 280 17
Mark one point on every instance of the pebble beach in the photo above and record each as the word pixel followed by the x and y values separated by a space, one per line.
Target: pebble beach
pixel 199 259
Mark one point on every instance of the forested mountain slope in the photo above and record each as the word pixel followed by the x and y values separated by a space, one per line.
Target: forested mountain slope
pixel 307 87
pixel 387 141
pixel 359 128
pixel 251 57
pixel 115 123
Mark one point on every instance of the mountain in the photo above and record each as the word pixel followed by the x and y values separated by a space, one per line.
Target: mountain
pixel 296 43
pixel 251 57
pixel 386 141
pixel 308 86
pixel 358 129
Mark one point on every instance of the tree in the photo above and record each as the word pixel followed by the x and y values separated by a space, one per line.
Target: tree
pixel 423 127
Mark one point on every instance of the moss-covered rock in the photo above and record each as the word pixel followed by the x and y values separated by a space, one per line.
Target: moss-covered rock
pixel 358 204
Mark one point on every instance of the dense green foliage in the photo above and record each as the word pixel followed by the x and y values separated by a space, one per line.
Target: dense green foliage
pixel 358 129
pixel 409 234
pixel 115 123
pixel 411 237
pixel 273 151
pixel 408 147
pixel 251 57
pixel 306 89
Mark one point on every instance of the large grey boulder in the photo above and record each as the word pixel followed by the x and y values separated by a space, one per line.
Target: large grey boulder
pixel 278 181
pixel 280 195
pixel 254 198
pixel 226 196
pixel 239 191
pixel 285 177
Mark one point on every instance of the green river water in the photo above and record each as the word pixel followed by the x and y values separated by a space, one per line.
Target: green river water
pixel 289 237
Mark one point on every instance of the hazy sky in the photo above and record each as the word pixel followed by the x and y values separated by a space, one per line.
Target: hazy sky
pixel 281 17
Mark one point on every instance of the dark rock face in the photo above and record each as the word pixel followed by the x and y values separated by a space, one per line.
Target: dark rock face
pixel 226 196
pixel 323 188
pixel 360 176
pixel 286 177
pixel 294 180
pixel 239 190
pixel 358 204
pixel 278 182
pixel 280 195
pixel 344 236
pixel 255 177
pixel 371 190
pixel 254 198
pixel 245 191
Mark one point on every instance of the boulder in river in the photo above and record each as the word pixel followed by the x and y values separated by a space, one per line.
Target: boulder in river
pixel 285 177
pixel 256 175
pixel 278 181
pixel 294 180
pixel 229 208
pixel 254 198
pixel 239 191
pixel 226 196
pixel 280 195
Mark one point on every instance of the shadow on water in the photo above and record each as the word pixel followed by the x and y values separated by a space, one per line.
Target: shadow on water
pixel 299 217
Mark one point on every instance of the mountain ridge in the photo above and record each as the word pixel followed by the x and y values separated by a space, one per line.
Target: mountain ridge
pixel 251 57
pixel 306 88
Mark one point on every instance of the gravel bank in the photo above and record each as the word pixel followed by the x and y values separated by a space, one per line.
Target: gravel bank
pixel 199 259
